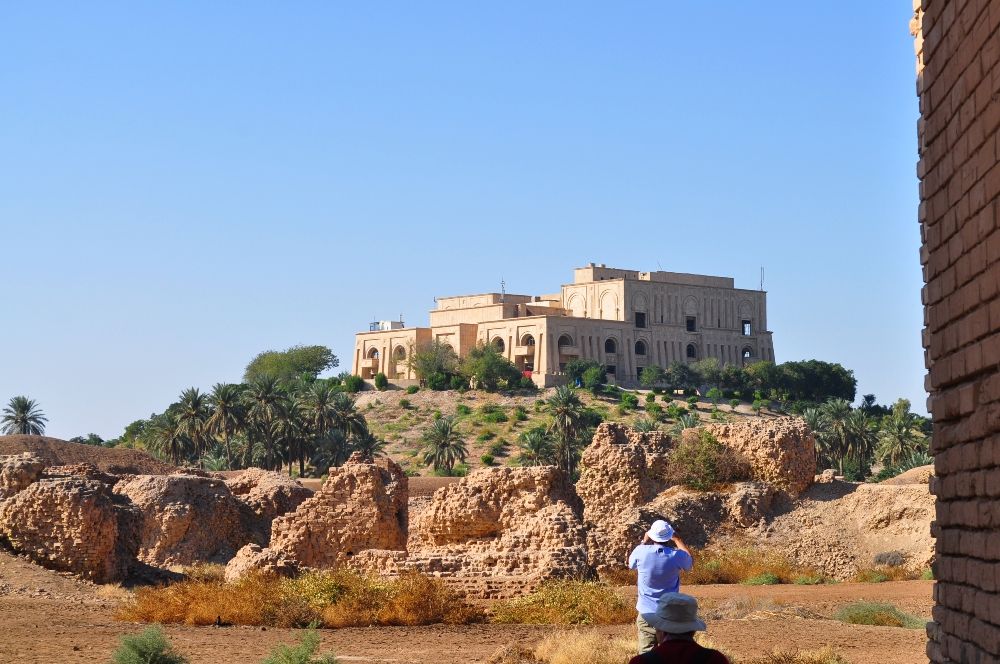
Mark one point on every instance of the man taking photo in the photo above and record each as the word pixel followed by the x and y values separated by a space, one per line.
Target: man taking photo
pixel 659 569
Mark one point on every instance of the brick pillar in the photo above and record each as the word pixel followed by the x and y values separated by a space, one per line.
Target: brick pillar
pixel 958 74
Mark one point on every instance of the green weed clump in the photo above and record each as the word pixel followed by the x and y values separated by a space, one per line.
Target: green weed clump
pixel 303 653
pixel 765 579
pixel 878 613
pixel 566 603
pixel 492 413
pixel 413 389
pixel 326 599
pixel 149 646
pixel 462 409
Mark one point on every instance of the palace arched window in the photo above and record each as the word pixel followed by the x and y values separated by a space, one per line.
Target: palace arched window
pixel 640 347
pixel 610 346
pixel 692 352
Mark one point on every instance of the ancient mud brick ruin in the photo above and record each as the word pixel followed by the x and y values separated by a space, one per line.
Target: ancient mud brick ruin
pixel 362 505
pixel 958 80
pixel 781 452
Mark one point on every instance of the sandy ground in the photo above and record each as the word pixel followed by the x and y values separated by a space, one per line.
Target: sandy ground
pixel 45 617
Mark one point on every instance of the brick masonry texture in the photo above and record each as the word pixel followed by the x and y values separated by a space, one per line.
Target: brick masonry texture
pixel 958 81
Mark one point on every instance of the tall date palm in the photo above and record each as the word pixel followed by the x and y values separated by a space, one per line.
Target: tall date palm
pixel 227 415
pixel 192 413
pixel 23 415
pixel 567 422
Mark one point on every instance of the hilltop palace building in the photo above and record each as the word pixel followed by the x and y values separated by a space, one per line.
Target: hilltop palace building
pixel 623 319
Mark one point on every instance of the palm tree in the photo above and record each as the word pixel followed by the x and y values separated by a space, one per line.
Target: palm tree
pixel 168 440
pixel 192 412
pixel 819 424
pixel 264 402
pixel 368 444
pixel 316 407
pixel 330 450
pixel 291 431
pixel 346 417
pixel 536 448
pixel 862 436
pixel 227 415
pixel 836 438
pixel 443 445
pixel 900 436
pixel 567 422
pixel 22 415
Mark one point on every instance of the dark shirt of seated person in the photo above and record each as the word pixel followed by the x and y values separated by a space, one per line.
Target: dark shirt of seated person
pixel 676 621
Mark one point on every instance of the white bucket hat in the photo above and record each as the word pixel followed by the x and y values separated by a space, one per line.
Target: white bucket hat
pixel 676 613
pixel 660 531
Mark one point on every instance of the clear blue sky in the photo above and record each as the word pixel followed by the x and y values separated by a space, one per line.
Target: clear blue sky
pixel 185 184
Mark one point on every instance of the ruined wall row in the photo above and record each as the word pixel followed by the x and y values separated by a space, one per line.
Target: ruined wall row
pixel 958 72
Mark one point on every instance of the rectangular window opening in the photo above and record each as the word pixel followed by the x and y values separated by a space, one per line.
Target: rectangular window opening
pixel 640 319
pixel 747 328
pixel 691 324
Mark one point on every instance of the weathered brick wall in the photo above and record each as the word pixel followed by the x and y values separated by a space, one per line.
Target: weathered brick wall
pixel 958 66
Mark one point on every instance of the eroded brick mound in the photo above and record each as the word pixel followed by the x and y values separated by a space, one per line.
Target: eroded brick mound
pixel 918 475
pixel 188 519
pixel 621 470
pixel 254 558
pixel 362 505
pixel 85 470
pixel 269 494
pixel 73 525
pixel 500 531
pixel 781 451
pixel 55 452
pixel 18 471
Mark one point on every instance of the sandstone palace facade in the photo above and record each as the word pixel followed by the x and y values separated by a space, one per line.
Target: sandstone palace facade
pixel 623 319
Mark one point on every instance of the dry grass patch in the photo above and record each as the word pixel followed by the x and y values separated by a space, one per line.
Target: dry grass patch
pixel 566 603
pixel 883 573
pixel 327 599
pixel 745 565
pixel 824 656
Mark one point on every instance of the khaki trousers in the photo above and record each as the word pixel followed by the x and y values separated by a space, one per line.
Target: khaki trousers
pixel 647 635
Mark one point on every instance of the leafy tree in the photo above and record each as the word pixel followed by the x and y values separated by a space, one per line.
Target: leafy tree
pixel 23 416
pixel 431 358
pixel 680 376
pixel 763 376
pixel 815 380
pixel 443 445
pixel 488 368
pixel 714 395
pixel 286 365
pixel 536 448
pixel 594 378
pixel 900 436
pixel 708 370
pixel 192 413
pixel 227 415
pixel 89 439
pixel 567 423
pixel 652 376
pixel 576 367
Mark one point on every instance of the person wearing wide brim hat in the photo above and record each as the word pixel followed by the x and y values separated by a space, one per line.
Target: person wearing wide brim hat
pixel 659 567
pixel 676 621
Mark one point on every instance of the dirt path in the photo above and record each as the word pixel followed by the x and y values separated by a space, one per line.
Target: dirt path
pixel 46 617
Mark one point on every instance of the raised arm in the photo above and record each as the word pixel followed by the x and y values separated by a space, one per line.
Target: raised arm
pixel 682 546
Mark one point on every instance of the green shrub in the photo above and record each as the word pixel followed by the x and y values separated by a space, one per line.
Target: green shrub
pixel 436 415
pixel 878 613
pixel 381 382
pixel 487 459
pixel 413 389
pixel 757 405
pixel 438 381
pixel 692 401
pixel 650 397
pixel 927 575
pixel 353 383
pixel 674 411
pixel 458 383
pixel 701 462
pixel 629 401
pixel 405 404
pixel 485 436
pixel 734 403
pixel 462 409
pixel 149 646
pixel 520 414
pixel 655 410
pixel 714 395
pixel 492 413
pixel 765 579
pixel 808 580
pixel 499 448
pixel 303 653
pixel 539 405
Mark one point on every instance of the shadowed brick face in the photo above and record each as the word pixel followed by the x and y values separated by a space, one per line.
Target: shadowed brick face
pixel 958 67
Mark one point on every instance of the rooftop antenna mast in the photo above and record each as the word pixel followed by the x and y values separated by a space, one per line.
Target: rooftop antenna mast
pixel 762 277
pixel 503 290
